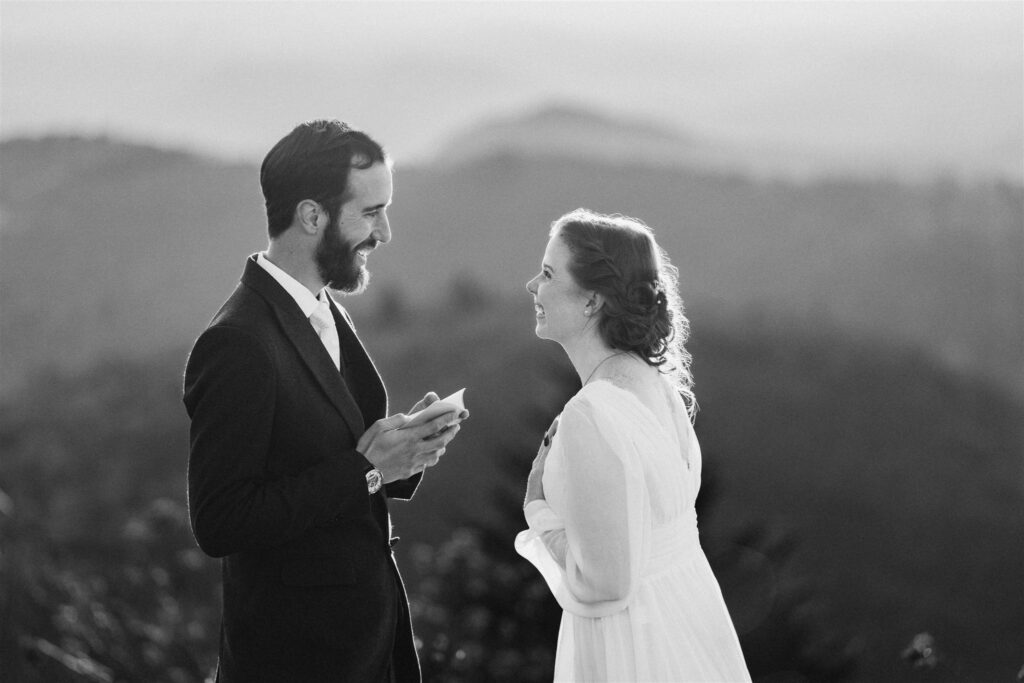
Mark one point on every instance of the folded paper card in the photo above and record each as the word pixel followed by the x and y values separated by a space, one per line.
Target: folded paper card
pixel 437 408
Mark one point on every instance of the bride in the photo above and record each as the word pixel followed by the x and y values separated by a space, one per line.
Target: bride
pixel 610 499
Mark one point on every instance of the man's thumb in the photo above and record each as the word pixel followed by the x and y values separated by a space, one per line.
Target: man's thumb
pixel 396 421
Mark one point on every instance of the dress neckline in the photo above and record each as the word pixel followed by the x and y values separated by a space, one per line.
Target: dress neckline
pixel 650 415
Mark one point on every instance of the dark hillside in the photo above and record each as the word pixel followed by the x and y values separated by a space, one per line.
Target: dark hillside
pixel 133 248
pixel 897 484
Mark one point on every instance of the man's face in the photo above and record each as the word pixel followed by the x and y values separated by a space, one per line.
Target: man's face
pixel 361 224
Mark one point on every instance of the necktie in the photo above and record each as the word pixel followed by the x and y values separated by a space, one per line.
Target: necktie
pixel 323 322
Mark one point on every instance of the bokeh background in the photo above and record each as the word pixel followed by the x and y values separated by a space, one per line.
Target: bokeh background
pixel 840 184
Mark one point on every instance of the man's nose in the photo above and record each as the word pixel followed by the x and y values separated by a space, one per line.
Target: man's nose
pixel 382 231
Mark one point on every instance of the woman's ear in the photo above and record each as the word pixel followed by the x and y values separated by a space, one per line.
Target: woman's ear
pixel 309 215
pixel 595 302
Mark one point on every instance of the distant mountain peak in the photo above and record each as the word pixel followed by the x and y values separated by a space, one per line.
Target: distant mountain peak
pixel 575 131
pixel 564 129
pixel 564 114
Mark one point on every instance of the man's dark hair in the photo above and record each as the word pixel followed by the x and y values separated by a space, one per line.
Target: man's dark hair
pixel 312 162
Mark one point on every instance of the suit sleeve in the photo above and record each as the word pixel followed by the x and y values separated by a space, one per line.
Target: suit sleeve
pixel 229 393
pixel 403 489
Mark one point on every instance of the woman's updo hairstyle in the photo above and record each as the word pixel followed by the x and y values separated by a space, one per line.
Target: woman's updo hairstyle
pixel 617 257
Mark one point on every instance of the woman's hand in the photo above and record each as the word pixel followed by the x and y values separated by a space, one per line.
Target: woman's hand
pixel 535 482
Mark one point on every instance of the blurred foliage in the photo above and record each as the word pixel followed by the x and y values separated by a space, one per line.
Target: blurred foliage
pixel 483 613
pixel 143 608
pixel 481 616
pixel 783 620
pixel 100 579
pixel 922 652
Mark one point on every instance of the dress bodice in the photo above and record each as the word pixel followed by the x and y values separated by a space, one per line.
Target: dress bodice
pixel 615 538
pixel 667 457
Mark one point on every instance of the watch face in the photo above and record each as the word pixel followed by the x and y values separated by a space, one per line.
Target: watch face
pixel 374 480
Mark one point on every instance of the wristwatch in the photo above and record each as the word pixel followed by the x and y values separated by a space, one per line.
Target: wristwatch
pixel 374 480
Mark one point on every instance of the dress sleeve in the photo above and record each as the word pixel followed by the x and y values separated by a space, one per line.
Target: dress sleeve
pixel 590 555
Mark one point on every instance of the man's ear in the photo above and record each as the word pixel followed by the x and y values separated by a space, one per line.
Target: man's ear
pixel 310 216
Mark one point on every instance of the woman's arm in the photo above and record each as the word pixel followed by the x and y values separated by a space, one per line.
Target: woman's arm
pixel 590 553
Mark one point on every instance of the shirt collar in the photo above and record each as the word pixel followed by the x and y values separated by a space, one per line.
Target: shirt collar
pixel 306 300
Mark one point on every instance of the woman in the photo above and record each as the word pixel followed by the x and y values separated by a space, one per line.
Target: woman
pixel 610 500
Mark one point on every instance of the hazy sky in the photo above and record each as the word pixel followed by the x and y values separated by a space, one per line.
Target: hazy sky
pixel 937 82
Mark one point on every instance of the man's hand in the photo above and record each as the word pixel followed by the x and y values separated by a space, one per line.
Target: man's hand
pixel 401 453
pixel 428 398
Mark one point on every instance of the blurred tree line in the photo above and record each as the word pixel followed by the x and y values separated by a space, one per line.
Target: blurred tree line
pixel 100 579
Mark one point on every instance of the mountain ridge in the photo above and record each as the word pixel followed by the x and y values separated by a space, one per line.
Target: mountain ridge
pixel 570 129
pixel 139 246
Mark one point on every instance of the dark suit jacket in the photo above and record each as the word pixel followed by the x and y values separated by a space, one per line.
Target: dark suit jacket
pixel 277 489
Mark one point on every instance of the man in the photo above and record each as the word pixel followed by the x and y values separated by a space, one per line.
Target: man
pixel 285 480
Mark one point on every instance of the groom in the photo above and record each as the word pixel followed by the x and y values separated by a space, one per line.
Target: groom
pixel 291 459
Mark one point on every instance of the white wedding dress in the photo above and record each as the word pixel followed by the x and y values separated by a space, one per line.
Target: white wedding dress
pixel 616 541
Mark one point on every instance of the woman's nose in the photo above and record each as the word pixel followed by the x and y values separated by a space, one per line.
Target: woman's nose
pixel 531 285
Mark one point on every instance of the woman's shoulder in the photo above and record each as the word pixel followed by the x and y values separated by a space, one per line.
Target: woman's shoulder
pixel 615 388
pixel 601 423
pixel 594 396
pixel 600 403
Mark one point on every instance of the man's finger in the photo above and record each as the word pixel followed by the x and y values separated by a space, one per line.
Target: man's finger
pixel 428 398
pixel 438 424
pixel 441 438
pixel 386 424
pixel 368 436
pixel 391 422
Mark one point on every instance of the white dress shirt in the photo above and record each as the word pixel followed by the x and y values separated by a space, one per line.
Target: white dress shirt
pixel 306 300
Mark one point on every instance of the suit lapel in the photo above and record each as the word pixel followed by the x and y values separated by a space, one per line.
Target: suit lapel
pixel 360 366
pixel 305 340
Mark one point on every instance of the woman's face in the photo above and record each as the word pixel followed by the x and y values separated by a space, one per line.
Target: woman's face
pixel 559 302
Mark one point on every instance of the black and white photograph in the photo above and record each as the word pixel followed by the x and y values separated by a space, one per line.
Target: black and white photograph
pixel 511 341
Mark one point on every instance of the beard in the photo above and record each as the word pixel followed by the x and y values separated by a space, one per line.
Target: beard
pixel 336 262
